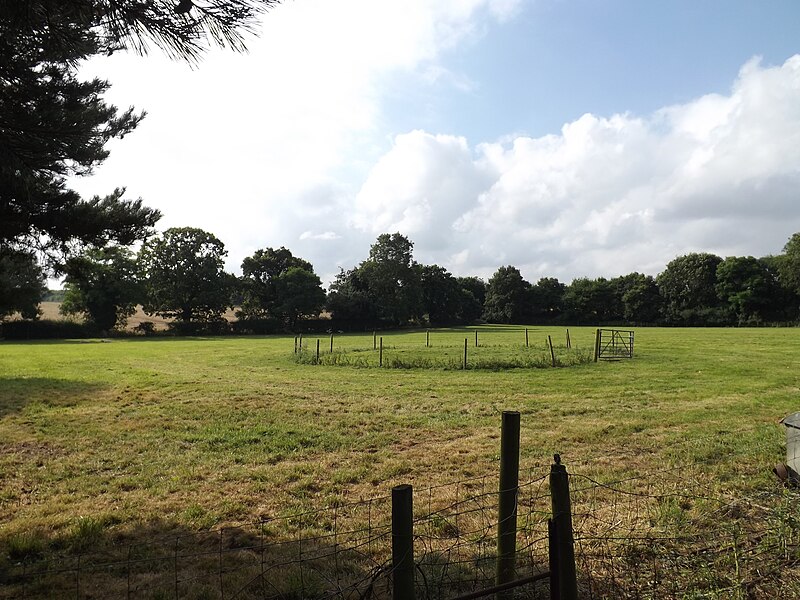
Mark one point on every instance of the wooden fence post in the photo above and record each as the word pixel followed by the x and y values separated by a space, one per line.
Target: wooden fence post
pixel 552 559
pixel 317 362
pixel 507 508
pixel 596 345
pixel 562 520
pixel 331 343
pixel 465 353
pixel 526 337
pixel 552 354
pixel 476 338
pixel 380 356
pixel 374 340
pixel 402 543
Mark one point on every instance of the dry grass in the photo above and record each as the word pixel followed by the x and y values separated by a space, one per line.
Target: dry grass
pixel 175 436
pixel 50 310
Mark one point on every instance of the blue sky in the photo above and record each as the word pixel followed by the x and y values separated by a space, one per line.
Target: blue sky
pixel 568 138
pixel 557 59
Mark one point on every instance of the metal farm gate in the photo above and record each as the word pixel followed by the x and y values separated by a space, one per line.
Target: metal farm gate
pixel 613 344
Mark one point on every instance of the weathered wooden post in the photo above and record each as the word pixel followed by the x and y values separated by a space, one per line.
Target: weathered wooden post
pixel 331 343
pixel 552 354
pixel 552 559
pixel 562 520
pixel 380 356
pixel 465 353
pixel 507 513
pixel 526 337
pixel 596 345
pixel 476 338
pixel 402 543
pixel 317 361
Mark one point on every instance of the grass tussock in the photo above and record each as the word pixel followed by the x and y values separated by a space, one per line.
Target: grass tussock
pixel 491 358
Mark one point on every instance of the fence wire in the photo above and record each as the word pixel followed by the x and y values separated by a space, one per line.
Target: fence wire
pixel 667 533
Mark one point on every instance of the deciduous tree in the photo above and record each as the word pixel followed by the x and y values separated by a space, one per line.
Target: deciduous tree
pixel 506 296
pixel 102 284
pixel 183 275
pixel 277 284
pixel 22 283
pixel 688 286
pixel 749 288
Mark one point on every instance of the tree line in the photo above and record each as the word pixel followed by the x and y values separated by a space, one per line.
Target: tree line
pixel 55 125
pixel 180 275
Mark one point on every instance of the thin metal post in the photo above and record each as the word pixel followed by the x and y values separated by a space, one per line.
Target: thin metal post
pixel 331 343
pixel 476 338
pixel 552 354
pixel 569 341
pixel 380 356
pixel 507 513
pixel 402 543
pixel 317 351
pixel 465 353
pixel 526 337
pixel 374 340
pixel 295 344
pixel 427 338
pixel 562 518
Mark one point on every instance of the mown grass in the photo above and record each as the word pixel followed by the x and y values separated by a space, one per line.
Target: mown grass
pixel 102 438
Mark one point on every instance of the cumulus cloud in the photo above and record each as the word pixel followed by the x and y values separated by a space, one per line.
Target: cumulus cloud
pixel 607 195
pixel 260 147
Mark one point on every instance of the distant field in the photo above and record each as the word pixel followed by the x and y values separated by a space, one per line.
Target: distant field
pixel 50 311
pixel 198 433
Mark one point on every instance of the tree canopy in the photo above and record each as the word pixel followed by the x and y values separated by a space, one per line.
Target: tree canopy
pixel 277 284
pixel 102 285
pixel 506 296
pixel 54 125
pixel 183 275
pixel 21 283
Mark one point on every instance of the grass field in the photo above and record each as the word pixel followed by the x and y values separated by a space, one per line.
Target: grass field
pixel 105 440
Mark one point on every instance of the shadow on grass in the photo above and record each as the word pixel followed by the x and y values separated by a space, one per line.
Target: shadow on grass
pixel 18 392
pixel 253 561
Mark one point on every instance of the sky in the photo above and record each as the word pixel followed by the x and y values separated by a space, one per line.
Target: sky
pixel 569 138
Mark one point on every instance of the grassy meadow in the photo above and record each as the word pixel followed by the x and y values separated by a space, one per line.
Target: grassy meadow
pixel 128 438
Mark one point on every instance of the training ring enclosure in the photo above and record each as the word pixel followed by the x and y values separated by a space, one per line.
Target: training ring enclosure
pixel 459 348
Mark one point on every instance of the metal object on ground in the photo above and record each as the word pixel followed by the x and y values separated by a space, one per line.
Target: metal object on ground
pixel 792 467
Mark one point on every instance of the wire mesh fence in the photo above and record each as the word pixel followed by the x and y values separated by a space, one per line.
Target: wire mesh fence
pixel 342 551
pixel 670 532
pixel 663 535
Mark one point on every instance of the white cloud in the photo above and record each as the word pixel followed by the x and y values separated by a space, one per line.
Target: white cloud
pixel 326 235
pixel 289 146
pixel 262 147
pixel 607 195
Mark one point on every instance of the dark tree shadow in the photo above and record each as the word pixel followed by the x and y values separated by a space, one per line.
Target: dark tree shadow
pixel 17 392
pixel 248 562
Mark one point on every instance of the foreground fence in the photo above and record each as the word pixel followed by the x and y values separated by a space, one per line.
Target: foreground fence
pixel 543 535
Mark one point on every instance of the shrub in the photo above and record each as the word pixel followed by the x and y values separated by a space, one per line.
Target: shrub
pixel 47 329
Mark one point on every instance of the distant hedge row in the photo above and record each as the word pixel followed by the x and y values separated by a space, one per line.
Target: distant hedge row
pixel 45 329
